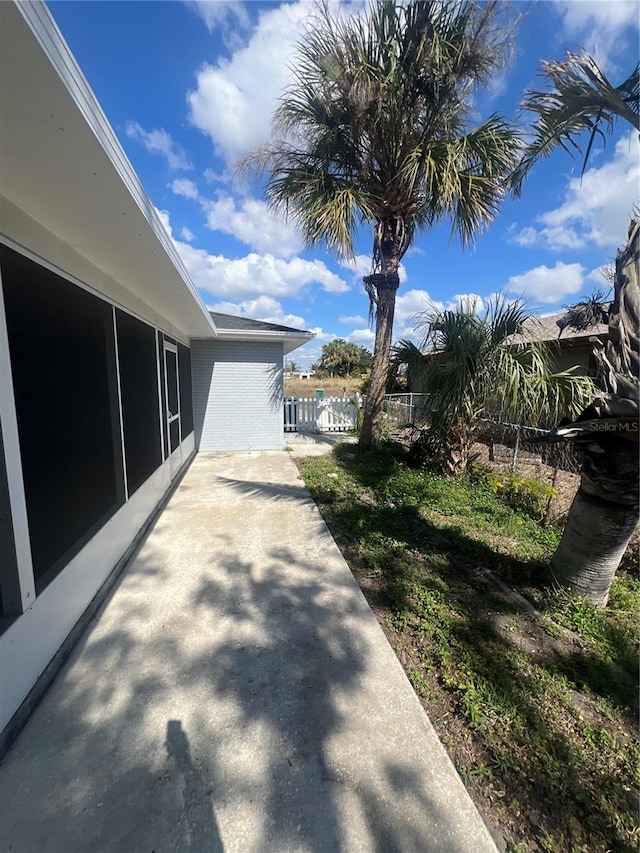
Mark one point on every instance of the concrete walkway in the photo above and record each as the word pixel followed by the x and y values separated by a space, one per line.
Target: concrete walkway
pixel 315 443
pixel 235 694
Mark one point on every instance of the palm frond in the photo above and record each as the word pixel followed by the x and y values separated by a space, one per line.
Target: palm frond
pixel 582 100
pixel 471 366
pixel 586 314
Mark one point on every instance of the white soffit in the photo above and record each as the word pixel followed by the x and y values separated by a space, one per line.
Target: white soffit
pixel 61 163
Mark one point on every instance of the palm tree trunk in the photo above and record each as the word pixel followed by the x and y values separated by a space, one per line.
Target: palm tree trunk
pixel 604 513
pixel 386 286
pixel 601 521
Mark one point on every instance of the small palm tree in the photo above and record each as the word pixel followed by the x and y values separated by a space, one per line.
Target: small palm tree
pixel 604 513
pixel 376 129
pixel 477 365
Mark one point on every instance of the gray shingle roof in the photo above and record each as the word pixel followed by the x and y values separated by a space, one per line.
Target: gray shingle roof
pixel 244 324
pixel 547 329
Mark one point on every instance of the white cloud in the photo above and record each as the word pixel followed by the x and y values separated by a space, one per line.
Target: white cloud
pixel 187 234
pixel 414 302
pixel 163 216
pixel 598 26
pixel 250 221
pixel 234 100
pixel 185 188
pixel 362 337
pixel 596 208
pixel 263 308
pixel 253 223
pixel 356 320
pixel 359 266
pixel 253 275
pixel 548 284
pixel 467 301
pixel 321 335
pixel 212 177
pixel 219 13
pixel 159 142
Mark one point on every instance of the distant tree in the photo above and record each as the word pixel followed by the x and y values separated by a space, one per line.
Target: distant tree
pixel 340 358
pixel 292 367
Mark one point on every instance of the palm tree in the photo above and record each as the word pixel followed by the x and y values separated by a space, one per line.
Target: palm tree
pixel 375 129
pixel 477 365
pixel 604 513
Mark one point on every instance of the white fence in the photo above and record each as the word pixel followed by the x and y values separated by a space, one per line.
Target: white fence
pixel 332 414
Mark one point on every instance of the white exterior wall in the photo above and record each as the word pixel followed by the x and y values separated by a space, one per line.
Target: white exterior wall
pixel 237 395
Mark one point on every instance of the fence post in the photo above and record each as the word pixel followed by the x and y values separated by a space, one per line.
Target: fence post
pixel 516 448
pixel 547 511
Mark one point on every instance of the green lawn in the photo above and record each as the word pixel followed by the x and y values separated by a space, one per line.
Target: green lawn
pixel 539 714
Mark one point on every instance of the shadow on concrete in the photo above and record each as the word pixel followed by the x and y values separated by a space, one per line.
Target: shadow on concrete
pixel 268 491
pixel 200 830
pixel 265 657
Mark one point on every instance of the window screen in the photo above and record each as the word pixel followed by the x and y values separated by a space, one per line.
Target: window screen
pixel 163 395
pixel 61 341
pixel 10 603
pixel 186 402
pixel 139 396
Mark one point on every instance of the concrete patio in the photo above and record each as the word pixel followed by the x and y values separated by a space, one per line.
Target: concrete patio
pixel 235 693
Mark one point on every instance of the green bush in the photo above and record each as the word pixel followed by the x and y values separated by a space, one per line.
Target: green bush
pixel 523 494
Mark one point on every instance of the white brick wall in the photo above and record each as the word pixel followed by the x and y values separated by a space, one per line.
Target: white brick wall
pixel 237 395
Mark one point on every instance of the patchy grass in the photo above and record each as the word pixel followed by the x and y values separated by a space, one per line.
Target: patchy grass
pixel 331 387
pixel 538 714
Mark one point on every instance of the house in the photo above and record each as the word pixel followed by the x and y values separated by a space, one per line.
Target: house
pixel 113 373
pixel 567 347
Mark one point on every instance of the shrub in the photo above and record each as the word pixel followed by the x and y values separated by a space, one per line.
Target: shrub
pixel 523 494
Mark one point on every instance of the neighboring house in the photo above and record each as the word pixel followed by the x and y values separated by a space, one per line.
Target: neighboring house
pixel 570 349
pixel 113 373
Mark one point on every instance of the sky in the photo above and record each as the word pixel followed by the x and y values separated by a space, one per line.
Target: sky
pixel 189 86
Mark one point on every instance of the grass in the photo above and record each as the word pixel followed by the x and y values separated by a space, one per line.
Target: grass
pixel 539 715
pixel 331 387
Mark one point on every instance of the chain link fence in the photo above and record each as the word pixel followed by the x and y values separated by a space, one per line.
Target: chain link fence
pixel 402 410
pixel 503 447
pixel 507 448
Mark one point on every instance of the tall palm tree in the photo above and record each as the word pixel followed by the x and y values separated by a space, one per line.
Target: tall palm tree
pixel 477 365
pixel 604 513
pixel 375 129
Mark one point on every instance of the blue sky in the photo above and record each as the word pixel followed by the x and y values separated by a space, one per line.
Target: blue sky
pixel 190 86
